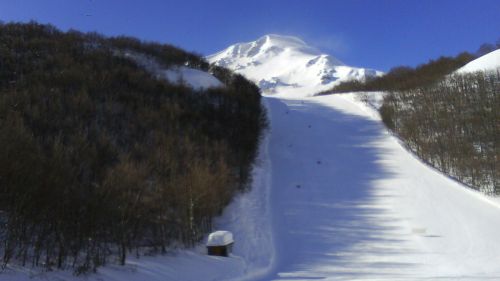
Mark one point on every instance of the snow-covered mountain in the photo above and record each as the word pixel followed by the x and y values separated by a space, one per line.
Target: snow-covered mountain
pixel 488 62
pixel 287 65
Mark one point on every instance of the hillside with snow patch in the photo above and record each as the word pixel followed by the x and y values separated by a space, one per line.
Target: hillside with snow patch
pixel 488 62
pixel 286 65
pixel 180 74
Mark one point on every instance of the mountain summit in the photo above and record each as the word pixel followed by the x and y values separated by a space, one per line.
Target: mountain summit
pixel 287 65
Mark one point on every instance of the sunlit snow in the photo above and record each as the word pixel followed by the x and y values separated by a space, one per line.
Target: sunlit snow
pixel 287 66
pixel 488 62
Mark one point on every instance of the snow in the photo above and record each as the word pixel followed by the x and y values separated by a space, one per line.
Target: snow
pixel 191 265
pixel 250 219
pixel 488 62
pixel 351 203
pixel 287 66
pixel 220 238
pixel 335 196
pixel 194 78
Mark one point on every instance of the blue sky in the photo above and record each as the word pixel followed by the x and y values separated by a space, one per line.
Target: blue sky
pixel 371 33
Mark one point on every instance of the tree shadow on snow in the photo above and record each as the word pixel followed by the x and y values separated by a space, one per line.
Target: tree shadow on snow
pixel 327 218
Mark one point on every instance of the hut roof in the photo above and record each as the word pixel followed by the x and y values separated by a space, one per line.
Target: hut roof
pixel 220 238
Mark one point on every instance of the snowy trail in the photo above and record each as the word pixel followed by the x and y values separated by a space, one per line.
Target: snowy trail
pixel 350 203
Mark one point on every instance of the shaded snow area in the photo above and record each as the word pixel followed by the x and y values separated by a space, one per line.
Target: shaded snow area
pixel 191 265
pixel 488 62
pixel 190 77
pixel 287 66
pixel 193 78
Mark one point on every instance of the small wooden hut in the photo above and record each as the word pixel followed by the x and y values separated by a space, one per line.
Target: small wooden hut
pixel 220 243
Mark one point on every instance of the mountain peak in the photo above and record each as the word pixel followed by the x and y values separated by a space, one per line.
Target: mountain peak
pixel 286 64
pixel 267 45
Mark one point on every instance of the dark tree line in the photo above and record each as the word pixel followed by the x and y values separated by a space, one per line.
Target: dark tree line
pixel 402 78
pixel 487 48
pixel 99 159
pixel 405 78
pixel 454 125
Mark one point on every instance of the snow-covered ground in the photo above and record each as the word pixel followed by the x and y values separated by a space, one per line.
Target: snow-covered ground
pixel 488 62
pixel 350 203
pixel 180 74
pixel 193 78
pixel 335 197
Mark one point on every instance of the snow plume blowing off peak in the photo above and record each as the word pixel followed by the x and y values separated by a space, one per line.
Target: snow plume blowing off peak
pixel 287 66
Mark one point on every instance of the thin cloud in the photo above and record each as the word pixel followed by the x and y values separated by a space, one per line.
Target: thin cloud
pixel 333 45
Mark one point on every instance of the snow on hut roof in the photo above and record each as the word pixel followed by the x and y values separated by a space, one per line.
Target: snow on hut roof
pixel 220 238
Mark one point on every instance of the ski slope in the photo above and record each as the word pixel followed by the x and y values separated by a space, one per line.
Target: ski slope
pixel 334 197
pixel 350 203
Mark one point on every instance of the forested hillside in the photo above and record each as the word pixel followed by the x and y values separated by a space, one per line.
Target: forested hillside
pixel 454 125
pixel 100 159
pixel 405 77
pixel 450 121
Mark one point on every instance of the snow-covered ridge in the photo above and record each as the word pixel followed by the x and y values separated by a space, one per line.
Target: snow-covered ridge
pixel 267 45
pixel 287 65
pixel 191 77
pixel 488 62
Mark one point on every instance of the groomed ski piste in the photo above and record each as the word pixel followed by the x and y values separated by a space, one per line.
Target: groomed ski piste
pixel 349 202
pixel 335 196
